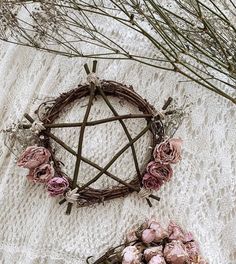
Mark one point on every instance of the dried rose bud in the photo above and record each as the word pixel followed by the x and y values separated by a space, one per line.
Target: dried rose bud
pixel 157 260
pixel 175 232
pixel 188 237
pixel 193 251
pixel 151 252
pixel 148 235
pixel 33 156
pixel 41 174
pixel 131 235
pixel 168 152
pixel 57 186
pixel 131 255
pixel 175 253
pixel 160 232
pixel 151 182
pixel 163 172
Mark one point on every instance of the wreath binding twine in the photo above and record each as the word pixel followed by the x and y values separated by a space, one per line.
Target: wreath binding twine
pixel 85 195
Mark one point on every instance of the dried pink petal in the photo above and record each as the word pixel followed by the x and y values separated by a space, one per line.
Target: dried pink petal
pixel 33 156
pixel 57 186
pixel 168 151
pixel 175 253
pixel 151 252
pixel 148 235
pixel 41 174
pixel 131 255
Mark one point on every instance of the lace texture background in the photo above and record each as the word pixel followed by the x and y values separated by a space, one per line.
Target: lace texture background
pixel 201 197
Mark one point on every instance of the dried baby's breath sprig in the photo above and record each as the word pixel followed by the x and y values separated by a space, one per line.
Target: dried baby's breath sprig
pixel 16 139
pixel 193 38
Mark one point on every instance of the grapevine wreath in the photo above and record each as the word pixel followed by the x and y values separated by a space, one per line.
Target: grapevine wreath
pixel 45 168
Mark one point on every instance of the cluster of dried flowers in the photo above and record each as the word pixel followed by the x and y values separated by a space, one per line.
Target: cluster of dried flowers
pixel 153 244
pixel 159 170
pixel 37 160
pixel 41 170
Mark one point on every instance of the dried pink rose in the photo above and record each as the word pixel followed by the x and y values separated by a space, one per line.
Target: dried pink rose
pixel 131 235
pixel 41 174
pixel 175 253
pixel 160 171
pixel 188 237
pixel 151 252
pixel 33 156
pixel 160 232
pixel 193 251
pixel 151 182
pixel 131 255
pixel 157 260
pixel 168 151
pixel 148 235
pixel 57 186
pixel 175 232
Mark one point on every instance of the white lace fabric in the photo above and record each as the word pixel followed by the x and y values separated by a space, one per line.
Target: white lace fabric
pixel 201 197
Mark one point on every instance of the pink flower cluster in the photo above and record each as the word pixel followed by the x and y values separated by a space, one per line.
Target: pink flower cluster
pixel 37 160
pixel 156 245
pixel 159 170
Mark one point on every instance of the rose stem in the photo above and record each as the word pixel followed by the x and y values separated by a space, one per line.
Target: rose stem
pixel 112 250
pixel 92 123
pixel 81 137
pixel 127 134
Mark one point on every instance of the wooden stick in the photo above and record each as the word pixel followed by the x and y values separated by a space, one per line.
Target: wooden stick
pixel 80 144
pixel 116 157
pixel 92 123
pixel 127 134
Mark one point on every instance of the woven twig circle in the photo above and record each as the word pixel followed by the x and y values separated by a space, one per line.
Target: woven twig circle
pixel 49 112
pixel 110 88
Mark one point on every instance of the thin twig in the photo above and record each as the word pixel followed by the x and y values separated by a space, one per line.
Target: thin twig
pixel 116 157
pixel 91 123
pixel 80 144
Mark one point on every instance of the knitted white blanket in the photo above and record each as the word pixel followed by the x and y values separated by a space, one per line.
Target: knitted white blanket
pixel 201 196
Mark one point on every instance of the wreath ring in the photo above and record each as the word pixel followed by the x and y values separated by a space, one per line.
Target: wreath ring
pixel 85 195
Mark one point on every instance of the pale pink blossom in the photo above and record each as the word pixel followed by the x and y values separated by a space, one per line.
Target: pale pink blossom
pixel 148 235
pixel 168 151
pixel 160 171
pixel 33 156
pixel 131 255
pixel 41 174
pixel 193 251
pixel 188 237
pixel 175 232
pixel 151 182
pixel 160 232
pixel 57 186
pixel 175 253
pixel 151 252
